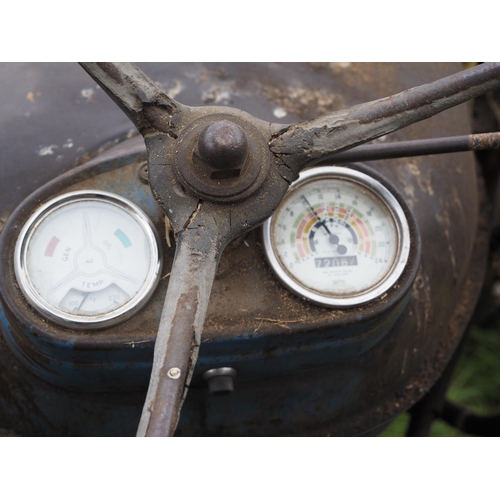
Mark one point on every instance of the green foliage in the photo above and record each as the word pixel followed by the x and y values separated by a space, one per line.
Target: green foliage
pixel 475 384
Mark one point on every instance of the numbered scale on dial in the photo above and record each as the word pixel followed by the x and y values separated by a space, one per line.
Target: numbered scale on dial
pixel 339 238
pixel 88 259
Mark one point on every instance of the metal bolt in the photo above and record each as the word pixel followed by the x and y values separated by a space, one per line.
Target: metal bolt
pixel 174 373
pixel 223 146
pixel 220 380
pixel 143 173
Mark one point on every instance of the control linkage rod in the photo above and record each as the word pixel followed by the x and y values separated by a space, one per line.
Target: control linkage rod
pixel 422 147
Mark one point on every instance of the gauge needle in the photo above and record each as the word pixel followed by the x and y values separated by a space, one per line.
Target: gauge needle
pixel 334 239
pixel 321 221
pixel 82 255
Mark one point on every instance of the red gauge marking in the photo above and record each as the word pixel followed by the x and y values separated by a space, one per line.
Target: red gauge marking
pixel 49 251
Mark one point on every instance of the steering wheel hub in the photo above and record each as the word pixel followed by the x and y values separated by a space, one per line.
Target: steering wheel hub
pixel 221 158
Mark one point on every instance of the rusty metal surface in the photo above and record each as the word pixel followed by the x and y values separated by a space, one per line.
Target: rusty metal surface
pixel 294 147
pixel 260 328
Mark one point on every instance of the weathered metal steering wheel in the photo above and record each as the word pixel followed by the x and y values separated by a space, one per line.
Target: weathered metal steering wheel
pixel 217 172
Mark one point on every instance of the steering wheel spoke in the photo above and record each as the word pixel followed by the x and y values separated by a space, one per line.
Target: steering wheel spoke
pixel 146 104
pixel 306 143
pixel 179 334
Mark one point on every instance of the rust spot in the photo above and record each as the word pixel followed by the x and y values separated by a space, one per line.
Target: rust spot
pixel 111 71
pixel 3 219
pixel 301 101
pixel 484 141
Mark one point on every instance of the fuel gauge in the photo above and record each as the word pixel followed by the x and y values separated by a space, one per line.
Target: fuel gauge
pixel 88 259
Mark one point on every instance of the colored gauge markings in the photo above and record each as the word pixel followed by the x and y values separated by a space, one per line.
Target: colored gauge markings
pixel 123 238
pixel 303 229
pixel 49 251
pixel 321 217
pixel 365 231
pixel 308 224
pixel 336 237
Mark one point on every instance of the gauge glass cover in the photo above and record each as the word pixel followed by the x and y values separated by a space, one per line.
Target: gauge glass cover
pixel 339 238
pixel 88 258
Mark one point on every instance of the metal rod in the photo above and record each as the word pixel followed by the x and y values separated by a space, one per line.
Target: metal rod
pixel 403 149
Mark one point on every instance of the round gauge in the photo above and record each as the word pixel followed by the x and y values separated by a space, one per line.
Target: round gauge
pixel 88 259
pixel 339 237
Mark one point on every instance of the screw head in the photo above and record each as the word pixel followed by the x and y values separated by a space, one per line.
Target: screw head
pixel 174 373
pixel 223 145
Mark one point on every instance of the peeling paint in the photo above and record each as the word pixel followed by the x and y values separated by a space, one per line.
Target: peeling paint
pixel 3 219
pixel 47 150
pixel 280 113
pixel 87 93
pixel 410 192
pixel 30 96
pixel 218 94
pixel 458 203
pixel 404 362
pixel 301 101
pixel 424 182
pixel 422 294
pixel 176 89
pixel 451 253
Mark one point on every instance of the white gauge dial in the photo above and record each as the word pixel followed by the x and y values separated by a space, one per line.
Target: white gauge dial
pixel 339 237
pixel 88 258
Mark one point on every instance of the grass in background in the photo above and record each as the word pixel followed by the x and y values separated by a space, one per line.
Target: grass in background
pixel 475 384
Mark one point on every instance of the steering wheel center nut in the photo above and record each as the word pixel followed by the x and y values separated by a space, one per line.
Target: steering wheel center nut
pixel 222 158
pixel 223 147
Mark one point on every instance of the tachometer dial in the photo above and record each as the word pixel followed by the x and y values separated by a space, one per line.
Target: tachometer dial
pixel 88 258
pixel 339 237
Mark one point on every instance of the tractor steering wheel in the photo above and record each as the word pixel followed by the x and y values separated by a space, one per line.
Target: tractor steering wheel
pixel 217 172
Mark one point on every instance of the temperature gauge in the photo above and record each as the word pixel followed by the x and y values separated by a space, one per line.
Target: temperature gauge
pixel 88 259
pixel 339 238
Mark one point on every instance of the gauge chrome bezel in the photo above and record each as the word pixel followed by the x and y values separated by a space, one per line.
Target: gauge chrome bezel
pixel 102 320
pixel 386 198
